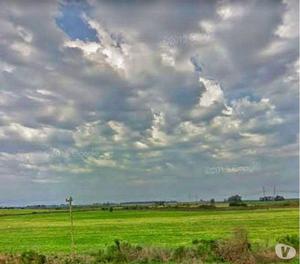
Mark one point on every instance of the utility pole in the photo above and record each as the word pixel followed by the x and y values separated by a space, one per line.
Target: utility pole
pixel 70 200
pixel 264 191
pixel 274 191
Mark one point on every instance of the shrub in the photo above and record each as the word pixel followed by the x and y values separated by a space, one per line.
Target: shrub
pixel 179 253
pixel 266 256
pixel 195 241
pixel 153 255
pixel 120 252
pixel 32 257
pixel 287 204
pixel 292 240
pixel 190 255
pixel 113 254
pixel 236 250
pixel 206 249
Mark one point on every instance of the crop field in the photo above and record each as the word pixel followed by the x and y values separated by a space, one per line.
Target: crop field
pixel 49 231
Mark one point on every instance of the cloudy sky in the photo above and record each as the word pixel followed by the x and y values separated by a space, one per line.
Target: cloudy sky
pixel 147 100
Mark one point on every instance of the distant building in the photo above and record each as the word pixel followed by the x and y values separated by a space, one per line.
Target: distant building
pixel 266 198
pixel 279 198
pixel 272 198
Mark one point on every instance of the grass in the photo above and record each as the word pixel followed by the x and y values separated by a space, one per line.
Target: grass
pixel 48 232
pixel 235 249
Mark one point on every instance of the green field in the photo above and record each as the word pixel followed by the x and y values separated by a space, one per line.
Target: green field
pixel 49 232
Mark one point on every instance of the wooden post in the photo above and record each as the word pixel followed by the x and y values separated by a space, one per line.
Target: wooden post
pixel 70 200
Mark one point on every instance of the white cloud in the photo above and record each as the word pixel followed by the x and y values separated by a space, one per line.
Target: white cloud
pixel 23 132
pixel 290 25
pixel 187 131
pixel 5 67
pixel 140 145
pixel 212 94
pixel 24 34
pixel 157 135
pixel 44 92
pixel 101 162
pixel 88 134
pixel 88 48
pixel 208 26
pixel 227 10
pixel 22 48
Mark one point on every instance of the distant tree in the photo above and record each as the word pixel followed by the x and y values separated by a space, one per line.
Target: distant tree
pixel 212 201
pixel 111 209
pixel 235 198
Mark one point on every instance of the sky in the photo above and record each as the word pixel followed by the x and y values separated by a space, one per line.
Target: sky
pixel 148 100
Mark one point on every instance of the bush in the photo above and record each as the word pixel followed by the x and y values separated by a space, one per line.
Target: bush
pixel 120 252
pixel 31 257
pixel 111 254
pixel 236 250
pixel 291 240
pixel 179 253
pixel 184 255
pixel 206 250
pixel 267 256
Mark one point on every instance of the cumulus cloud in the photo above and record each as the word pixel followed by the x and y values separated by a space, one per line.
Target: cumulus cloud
pixel 140 110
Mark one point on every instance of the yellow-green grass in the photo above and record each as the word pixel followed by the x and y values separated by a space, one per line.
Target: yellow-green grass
pixel 50 232
pixel 7 212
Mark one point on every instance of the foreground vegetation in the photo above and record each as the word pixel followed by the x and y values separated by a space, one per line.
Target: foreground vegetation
pixel 236 249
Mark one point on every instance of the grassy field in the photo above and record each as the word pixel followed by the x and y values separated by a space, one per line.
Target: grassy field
pixel 48 232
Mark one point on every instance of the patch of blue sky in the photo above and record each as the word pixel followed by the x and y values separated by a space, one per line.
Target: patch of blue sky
pixel 72 22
